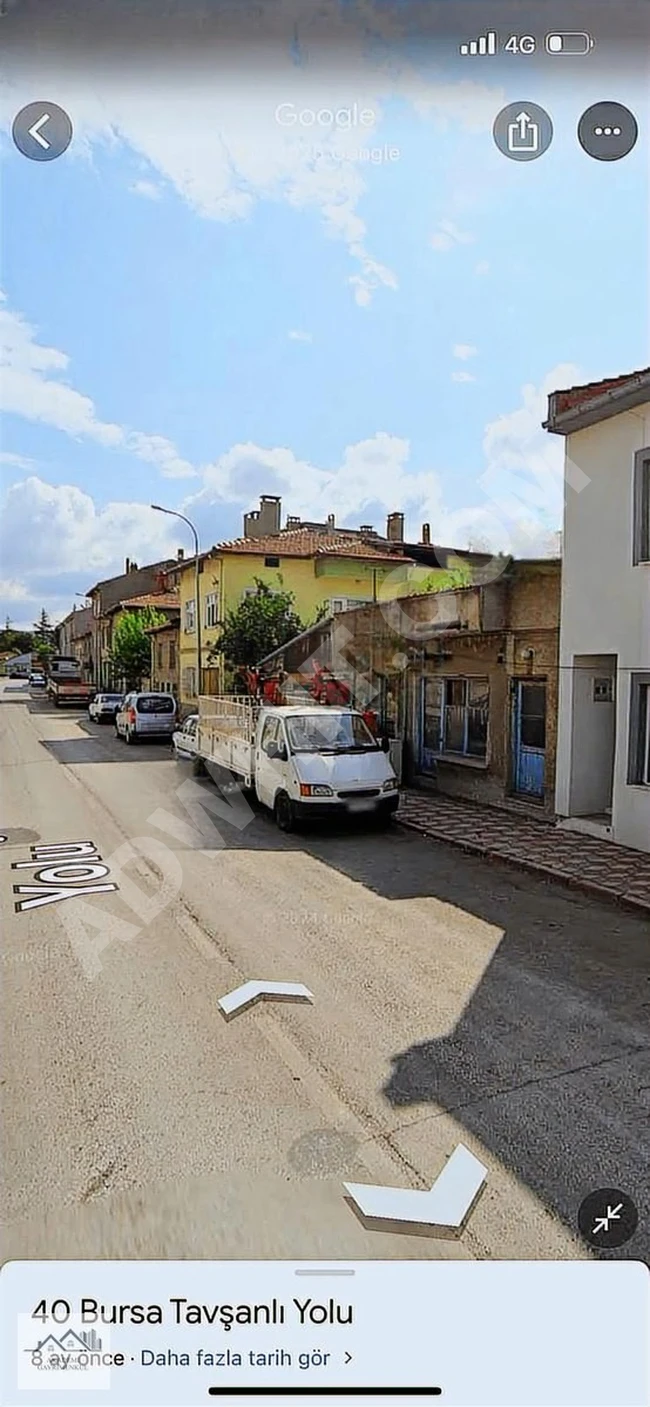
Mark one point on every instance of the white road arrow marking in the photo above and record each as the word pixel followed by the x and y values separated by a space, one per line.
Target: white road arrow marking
pixel 446 1207
pixel 252 992
pixel 35 132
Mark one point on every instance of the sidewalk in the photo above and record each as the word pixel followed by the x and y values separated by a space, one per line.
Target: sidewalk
pixel 598 867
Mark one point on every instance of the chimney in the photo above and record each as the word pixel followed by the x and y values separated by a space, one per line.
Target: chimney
pixel 127 567
pixel 180 554
pixel 266 519
pixel 426 534
pixel 395 527
pixel 366 528
pixel 331 522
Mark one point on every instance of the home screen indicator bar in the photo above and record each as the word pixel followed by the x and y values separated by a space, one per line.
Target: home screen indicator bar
pixel 325 1392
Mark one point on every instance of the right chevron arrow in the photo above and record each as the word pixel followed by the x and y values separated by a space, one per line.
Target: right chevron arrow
pixel 446 1208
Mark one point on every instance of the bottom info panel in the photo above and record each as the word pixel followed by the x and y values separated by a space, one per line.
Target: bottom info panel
pixel 492 1334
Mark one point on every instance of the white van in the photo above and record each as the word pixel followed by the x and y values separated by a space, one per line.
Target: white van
pixel 304 762
pixel 146 715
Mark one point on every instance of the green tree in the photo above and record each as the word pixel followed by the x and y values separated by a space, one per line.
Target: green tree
pixel 130 654
pixel 43 631
pixel 261 623
pixel 20 641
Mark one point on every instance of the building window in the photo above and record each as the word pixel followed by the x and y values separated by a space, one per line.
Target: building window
pixel 456 717
pixel 271 561
pixel 190 616
pixel 212 610
pixel 172 654
pixel 347 603
pixel 639 746
pixel 642 507
pixel 160 656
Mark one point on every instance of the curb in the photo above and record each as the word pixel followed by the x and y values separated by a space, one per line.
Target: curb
pixel 639 906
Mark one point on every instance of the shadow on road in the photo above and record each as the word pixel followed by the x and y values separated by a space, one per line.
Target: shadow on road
pixel 74 751
pixel 549 1064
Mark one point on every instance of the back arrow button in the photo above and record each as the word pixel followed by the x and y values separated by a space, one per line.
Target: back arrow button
pixel 35 131
pixel 30 138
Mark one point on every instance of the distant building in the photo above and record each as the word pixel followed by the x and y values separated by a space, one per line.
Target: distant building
pixel 134 581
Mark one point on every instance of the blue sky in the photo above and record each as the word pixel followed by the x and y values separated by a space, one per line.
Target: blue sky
pixel 199 308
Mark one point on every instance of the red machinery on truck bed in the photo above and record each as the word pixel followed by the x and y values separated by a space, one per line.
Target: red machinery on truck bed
pixel 322 688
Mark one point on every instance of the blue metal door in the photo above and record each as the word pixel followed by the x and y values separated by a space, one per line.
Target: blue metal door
pixel 529 737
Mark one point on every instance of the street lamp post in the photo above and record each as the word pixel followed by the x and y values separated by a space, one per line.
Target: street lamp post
pixel 197 594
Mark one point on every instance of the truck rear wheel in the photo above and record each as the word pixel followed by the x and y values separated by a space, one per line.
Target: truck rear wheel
pixel 283 813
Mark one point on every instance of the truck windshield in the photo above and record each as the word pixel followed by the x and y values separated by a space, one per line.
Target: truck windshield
pixel 334 732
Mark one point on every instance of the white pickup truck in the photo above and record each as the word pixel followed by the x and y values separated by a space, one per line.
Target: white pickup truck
pixel 305 762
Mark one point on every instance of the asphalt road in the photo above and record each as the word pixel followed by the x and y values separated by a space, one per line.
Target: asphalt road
pixel 453 1002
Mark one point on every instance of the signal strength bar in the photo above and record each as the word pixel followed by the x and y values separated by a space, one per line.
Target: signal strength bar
pixel 487 44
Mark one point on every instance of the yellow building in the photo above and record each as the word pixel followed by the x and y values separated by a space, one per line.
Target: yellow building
pixel 322 571
pixel 326 569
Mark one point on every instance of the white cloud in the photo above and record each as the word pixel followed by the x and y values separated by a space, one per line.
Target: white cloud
pixel 147 189
pixel 155 449
pixel 296 336
pixel 16 461
pixel 462 376
pixel 223 149
pixel 30 390
pixel 448 236
pixel 48 529
pixel 463 351
pixel 52 531
pixel 13 590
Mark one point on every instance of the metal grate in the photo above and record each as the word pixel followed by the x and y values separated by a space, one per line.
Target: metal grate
pixel 358 795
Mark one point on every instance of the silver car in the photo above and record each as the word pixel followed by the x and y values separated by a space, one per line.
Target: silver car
pixel 146 715
pixel 186 740
pixel 104 706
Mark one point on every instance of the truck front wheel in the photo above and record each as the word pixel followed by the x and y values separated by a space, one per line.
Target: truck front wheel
pixel 283 813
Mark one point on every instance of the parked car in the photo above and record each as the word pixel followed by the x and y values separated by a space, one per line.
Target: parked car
pixel 37 679
pixel 185 740
pixel 104 706
pixel 146 715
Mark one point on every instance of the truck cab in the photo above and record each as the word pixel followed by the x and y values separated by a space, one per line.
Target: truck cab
pixel 319 763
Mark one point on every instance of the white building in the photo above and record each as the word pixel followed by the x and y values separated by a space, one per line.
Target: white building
pixel 603 747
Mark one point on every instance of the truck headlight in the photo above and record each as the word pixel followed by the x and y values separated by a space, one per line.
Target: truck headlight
pixel 391 784
pixel 307 790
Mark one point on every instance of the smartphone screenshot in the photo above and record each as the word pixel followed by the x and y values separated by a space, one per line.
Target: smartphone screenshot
pixel 325 702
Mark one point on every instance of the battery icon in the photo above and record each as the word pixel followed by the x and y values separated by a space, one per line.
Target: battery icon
pixel 569 43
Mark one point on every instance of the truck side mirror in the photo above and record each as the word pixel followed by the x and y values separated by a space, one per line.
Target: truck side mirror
pixel 385 744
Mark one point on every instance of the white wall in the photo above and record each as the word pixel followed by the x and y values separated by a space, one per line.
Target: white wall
pixel 592 738
pixel 605 601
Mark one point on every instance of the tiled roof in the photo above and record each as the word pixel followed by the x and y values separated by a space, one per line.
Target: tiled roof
pixel 161 600
pixel 305 543
pixel 576 396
